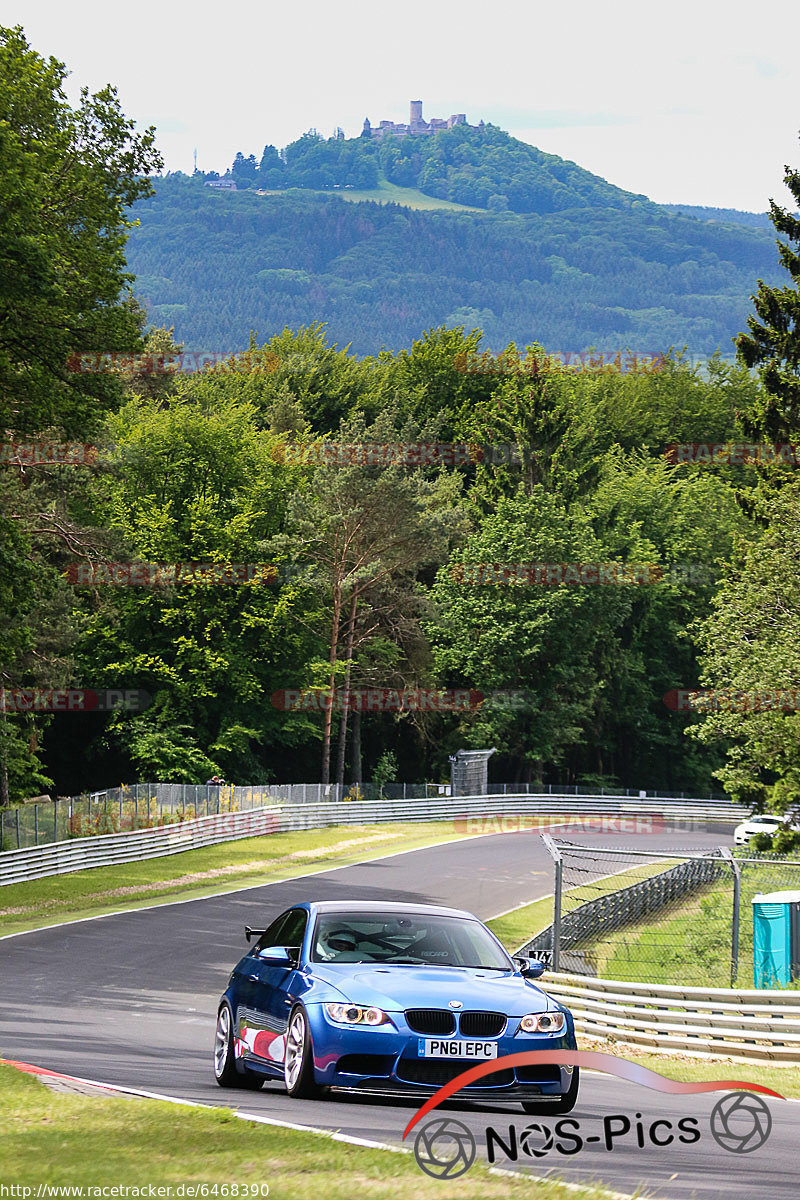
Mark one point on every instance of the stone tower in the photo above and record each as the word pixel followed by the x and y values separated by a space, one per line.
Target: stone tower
pixel 416 112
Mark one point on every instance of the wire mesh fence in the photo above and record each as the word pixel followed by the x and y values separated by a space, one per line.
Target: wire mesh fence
pixel 659 916
pixel 143 806
pixel 111 811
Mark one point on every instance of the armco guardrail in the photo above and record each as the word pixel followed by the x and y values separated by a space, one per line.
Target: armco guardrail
pixel 753 1025
pixel 470 814
pixel 61 858
pixel 142 805
pixel 627 905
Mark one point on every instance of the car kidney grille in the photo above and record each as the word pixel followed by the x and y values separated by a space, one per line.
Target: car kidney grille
pixel 481 1024
pixel 436 1074
pixel 436 1022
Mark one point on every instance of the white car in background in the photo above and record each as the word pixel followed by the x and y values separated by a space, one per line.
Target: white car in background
pixel 760 823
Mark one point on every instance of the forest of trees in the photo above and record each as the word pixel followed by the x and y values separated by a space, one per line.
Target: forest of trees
pixel 199 473
pixel 219 265
pixel 374 580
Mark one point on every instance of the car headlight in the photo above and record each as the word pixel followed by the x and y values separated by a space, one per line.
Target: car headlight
pixel 546 1022
pixel 354 1014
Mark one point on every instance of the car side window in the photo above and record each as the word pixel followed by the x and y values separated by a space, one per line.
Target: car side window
pixel 273 935
pixel 293 932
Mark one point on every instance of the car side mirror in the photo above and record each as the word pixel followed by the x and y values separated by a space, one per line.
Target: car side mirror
pixel 275 956
pixel 532 967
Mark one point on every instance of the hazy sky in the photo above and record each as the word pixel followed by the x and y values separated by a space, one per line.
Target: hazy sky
pixel 693 103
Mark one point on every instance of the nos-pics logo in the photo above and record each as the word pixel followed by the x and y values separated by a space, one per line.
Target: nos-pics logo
pixel 446 1148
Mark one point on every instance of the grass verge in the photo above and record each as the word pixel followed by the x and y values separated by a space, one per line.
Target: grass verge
pixel 206 872
pixel 75 1140
pixel 690 944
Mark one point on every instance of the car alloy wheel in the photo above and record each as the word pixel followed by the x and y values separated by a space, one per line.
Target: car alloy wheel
pixel 222 1040
pixel 295 1049
pixel 224 1063
pixel 298 1062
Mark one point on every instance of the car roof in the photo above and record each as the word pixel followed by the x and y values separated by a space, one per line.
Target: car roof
pixel 376 907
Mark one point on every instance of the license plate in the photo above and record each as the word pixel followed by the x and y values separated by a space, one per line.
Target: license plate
pixel 455 1048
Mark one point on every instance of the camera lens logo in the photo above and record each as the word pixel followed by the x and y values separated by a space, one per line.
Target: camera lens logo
pixel 536 1140
pixel 444 1148
pixel 740 1122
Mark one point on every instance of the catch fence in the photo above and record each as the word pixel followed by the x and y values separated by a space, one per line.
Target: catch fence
pixel 657 916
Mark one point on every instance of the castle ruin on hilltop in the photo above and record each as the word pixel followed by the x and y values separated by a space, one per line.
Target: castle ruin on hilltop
pixel 417 127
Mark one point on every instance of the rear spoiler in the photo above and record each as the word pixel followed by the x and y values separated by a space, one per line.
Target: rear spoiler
pixel 250 933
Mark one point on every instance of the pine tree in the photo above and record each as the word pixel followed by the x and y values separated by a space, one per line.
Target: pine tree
pixel 773 343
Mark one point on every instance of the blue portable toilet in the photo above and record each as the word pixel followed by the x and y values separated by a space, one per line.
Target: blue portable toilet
pixel 776 939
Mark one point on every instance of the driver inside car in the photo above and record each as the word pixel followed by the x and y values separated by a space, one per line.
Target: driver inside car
pixel 393 942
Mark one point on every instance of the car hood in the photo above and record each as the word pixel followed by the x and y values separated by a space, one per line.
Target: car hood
pixel 398 988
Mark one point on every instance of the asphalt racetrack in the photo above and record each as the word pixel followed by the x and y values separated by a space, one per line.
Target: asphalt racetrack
pixel 131 999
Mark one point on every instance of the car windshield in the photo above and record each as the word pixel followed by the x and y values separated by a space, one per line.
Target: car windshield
pixel 411 939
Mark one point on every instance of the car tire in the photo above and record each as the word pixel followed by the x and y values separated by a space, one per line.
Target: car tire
pixel 565 1104
pixel 225 1071
pixel 298 1062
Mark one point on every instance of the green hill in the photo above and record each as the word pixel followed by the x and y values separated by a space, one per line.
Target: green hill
pixel 382 238
pixel 217 265
pixel 482 168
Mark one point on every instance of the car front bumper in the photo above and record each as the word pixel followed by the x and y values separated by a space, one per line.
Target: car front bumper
pixel 387 1061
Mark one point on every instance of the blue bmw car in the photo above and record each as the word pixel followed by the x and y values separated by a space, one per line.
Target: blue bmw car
pixel 388 999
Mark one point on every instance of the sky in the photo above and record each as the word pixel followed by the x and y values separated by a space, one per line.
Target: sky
pixel 688 102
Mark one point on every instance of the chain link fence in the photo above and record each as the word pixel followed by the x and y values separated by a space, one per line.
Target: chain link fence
pixel 148 805
pixel 658 916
